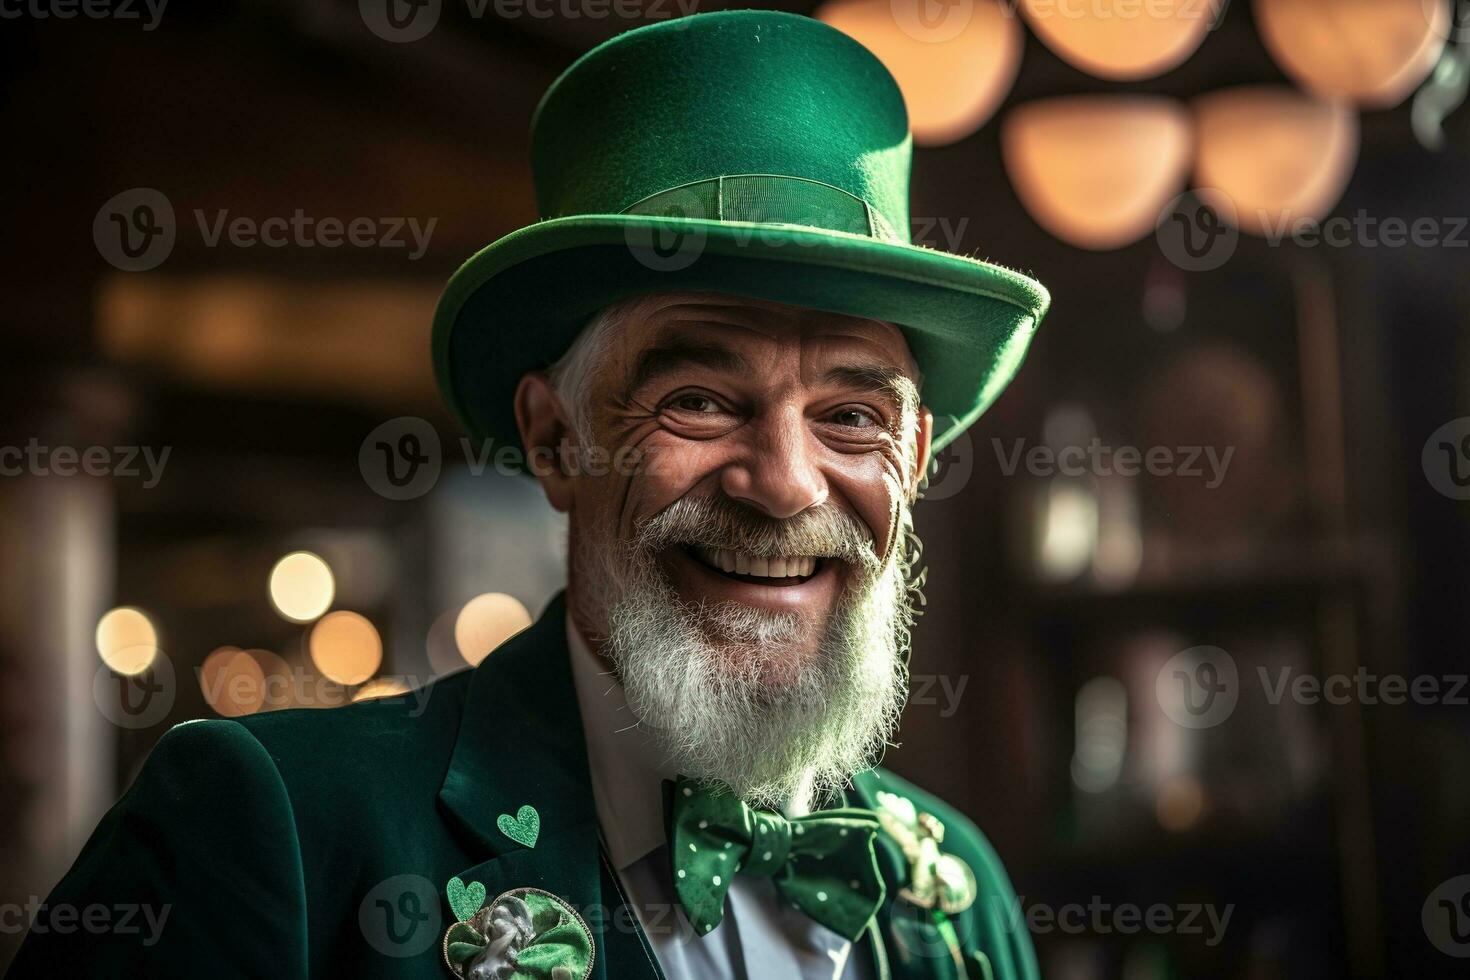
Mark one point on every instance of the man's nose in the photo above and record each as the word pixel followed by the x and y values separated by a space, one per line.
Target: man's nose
pixel 779 474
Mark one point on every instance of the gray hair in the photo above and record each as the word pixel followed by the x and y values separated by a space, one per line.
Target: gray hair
pixel 571 375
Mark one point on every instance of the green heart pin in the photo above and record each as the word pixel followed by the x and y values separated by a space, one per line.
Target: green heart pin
pixel 464 899
pixel 523 828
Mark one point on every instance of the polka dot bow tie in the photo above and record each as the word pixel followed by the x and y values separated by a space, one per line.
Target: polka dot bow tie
pixel 822 863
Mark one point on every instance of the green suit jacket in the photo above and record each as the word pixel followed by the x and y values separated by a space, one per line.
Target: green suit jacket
pixel 310 843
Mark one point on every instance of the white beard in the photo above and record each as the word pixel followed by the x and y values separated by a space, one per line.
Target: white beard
pixel 714 684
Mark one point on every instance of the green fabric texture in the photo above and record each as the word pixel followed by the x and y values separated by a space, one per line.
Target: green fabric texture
pixel 754 153
pixel 276 845
pixel 822 862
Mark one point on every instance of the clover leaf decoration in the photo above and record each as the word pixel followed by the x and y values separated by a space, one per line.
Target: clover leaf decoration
pixel 936 879
pixel 524 934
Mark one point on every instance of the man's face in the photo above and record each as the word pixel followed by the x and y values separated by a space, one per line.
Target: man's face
pixel 777 409
pixel 747 569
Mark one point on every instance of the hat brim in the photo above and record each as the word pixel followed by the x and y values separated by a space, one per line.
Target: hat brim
pixel 517 304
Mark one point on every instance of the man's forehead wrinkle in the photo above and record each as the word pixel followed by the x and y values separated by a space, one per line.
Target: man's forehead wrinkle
pixel 656 360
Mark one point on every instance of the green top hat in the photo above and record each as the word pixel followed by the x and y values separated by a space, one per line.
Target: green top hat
pixel 749 152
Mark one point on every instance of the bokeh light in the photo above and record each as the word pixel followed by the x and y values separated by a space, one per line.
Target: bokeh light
pixel 302 586
pixel 233 682
pixel 345 647
pixel 1180 803
pixel 487 621
pixel 1374 52
pixel 380 687
pixel 1122 39
pixel 127 640
pixel 953 72
pixel 1275 155
pixel 1096 170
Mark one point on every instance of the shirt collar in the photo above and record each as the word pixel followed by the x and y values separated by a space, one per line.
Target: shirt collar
pixel 627 768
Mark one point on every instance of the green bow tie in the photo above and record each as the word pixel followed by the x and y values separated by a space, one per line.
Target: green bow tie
pixel 822 863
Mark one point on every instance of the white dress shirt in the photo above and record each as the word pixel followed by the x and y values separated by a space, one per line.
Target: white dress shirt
pixel 761 936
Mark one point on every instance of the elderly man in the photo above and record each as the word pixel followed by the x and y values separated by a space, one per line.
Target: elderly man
pixel 725 363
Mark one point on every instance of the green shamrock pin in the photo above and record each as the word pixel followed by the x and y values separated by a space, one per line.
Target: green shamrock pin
pixel 936 880
pixel 525 934
pixel 523 828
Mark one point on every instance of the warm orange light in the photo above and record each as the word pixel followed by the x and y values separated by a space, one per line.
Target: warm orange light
pixel 380 687
pixel 233 682
pixel 1374 52
pixel 1269 157
pixel 1122 39
pixel 1180 803
pixel 1096 170
pixel 346 647
pixel 954 70
pixel 126 640
pixel 487 621
pixel 301 586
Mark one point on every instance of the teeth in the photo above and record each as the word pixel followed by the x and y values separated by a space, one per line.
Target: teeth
pixel 743 563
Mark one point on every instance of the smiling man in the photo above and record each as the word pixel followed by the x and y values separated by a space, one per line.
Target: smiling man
pixel 672 773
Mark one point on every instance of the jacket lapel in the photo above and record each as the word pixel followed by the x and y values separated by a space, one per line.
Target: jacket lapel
pixel 520 743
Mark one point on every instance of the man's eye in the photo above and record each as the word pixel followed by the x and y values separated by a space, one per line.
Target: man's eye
pixel 700 404
pixel 854 417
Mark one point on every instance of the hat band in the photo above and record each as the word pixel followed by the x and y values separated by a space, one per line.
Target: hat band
pixel 768 199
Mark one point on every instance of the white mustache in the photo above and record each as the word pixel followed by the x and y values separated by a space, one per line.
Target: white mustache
pixel 718 523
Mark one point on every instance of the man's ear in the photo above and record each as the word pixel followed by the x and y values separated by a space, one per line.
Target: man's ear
pixel 546 434
pixel 921 457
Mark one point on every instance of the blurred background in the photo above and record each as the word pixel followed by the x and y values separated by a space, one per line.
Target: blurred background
pixel 1196 619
